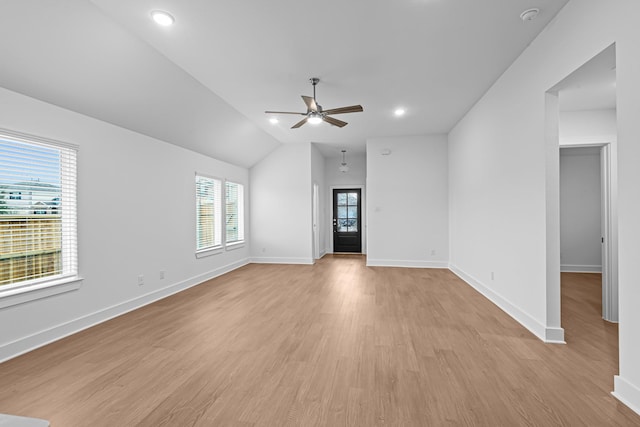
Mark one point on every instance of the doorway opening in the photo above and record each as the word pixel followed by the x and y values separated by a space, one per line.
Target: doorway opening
pixel 581 113
pixel 586 237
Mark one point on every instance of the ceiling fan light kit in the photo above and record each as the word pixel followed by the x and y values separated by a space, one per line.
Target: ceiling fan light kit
pixel 316 114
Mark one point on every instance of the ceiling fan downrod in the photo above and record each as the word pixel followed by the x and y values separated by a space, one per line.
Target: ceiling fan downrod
pixel 314 81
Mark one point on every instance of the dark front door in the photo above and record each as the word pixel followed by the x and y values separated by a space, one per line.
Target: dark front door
pixel 347 224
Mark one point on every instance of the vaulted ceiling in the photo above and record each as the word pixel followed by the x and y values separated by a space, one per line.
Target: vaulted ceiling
pixel 205 82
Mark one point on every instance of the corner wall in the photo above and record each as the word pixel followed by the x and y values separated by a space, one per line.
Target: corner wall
pixel 136 215
pixel 407 202
pixel 281 200
pixel 499 170
pixel 318 177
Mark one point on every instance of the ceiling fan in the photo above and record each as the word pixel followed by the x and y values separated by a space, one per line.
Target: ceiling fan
pixel 315 114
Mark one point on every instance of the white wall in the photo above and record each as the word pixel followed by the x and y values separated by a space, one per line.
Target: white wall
pixel 503 171
pixel 580 205
pixel 407 202
pixel 136 215
pixel 587 127
pixel 281 195
pixel 356 177
pixel 318 177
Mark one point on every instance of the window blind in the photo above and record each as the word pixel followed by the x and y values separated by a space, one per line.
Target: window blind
pixel 38 220
pixel 208 213
pixel 234 212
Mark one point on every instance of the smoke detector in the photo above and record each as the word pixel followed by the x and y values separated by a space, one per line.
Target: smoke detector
pixel 529 14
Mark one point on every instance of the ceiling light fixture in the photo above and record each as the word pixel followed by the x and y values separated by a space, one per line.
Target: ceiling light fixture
pixel 399 112
pixel 273 120
pixel 530 14
pixel 343 166
pixel 162 18
pixel 314 118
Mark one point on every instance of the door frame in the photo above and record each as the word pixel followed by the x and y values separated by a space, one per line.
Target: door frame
pixel 315 221
pixel 608 213
pixel 609 235
pixel 363 215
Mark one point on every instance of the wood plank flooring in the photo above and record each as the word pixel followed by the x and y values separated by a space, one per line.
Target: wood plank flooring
pixel 334 344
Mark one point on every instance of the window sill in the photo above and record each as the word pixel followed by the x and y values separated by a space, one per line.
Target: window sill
pixel 37 291
pixel 209 252
pixel 235 245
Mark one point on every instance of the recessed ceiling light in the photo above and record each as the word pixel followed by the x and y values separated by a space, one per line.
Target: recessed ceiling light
pixel 273 120
pixel 399 112
pixel 162 18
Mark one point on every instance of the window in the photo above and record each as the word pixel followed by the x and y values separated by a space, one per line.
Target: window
pixel 234 210
pixel 38 223
pixel 208 213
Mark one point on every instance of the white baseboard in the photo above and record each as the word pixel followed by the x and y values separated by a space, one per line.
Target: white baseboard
pixel 281 260
pixel 42 338
pixel 626 393
pixel 406 263
pixel 574 268
pixel 546 334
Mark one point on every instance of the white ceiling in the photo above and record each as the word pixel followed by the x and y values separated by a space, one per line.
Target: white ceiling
pixel 107 59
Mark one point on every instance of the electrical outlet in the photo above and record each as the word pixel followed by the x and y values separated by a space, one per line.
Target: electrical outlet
pixel 140 279
pixel 492 276
pixel 161 274
pixel 433 252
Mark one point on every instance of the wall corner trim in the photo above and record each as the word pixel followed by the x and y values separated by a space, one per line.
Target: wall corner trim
pixel 548 335
pixel 40 339
pixel 554 335
pixel 626 393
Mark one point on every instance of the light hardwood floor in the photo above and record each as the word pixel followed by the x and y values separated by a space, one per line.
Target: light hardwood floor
pixel 332 344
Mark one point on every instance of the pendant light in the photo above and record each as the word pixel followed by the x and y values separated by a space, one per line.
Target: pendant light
pixel 343 166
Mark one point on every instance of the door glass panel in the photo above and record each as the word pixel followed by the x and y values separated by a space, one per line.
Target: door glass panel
pixel 342 212
pixel 347 212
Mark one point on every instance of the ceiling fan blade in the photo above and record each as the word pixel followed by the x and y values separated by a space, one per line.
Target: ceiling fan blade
pixel 343 110
pixel 284 112
pixel 310 102
pixel 334 122
pixel 300 123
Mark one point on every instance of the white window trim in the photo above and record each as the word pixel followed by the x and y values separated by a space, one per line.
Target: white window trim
pixel 236 244
pixel 217 249
pixel 224 246
pixel 22 292
pixel 203 253
pixel 41 289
